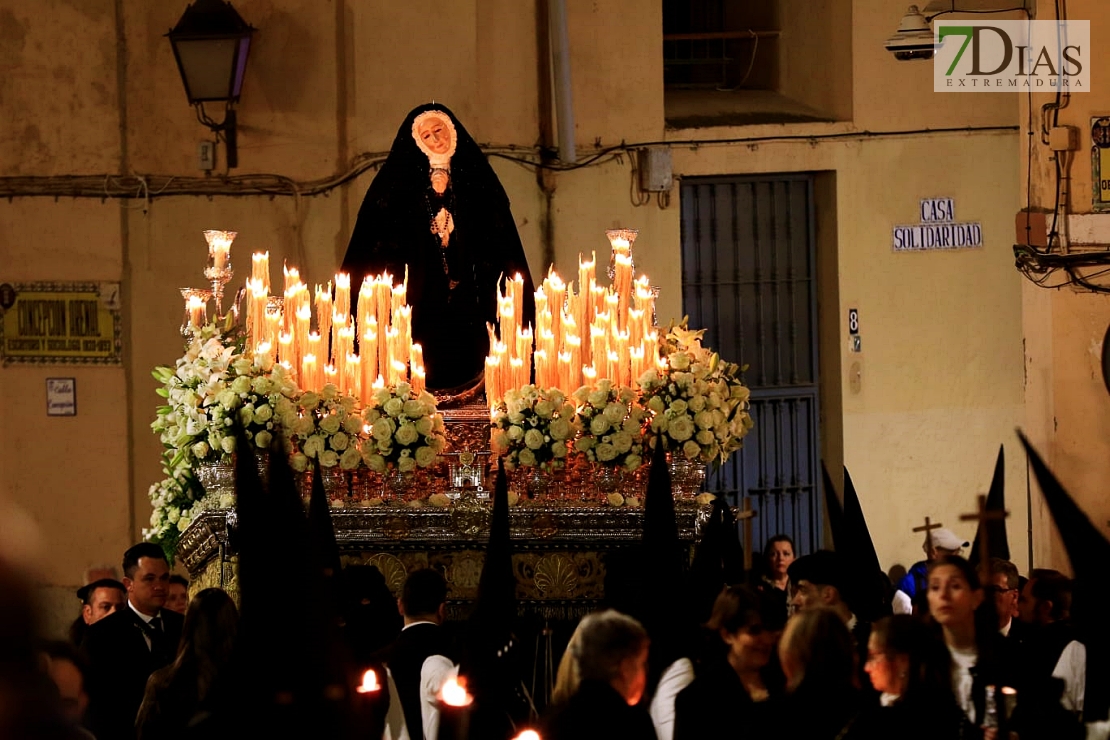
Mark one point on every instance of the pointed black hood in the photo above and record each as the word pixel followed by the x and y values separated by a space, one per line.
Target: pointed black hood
pixel 718 559
pixel 997 540
pixel 321 531
pixel 491 660
pixel 867 592
pixel 291 675
pixel 1089 552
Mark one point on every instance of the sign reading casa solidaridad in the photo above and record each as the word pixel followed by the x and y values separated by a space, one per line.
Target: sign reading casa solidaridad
pixel 938 229
pixel 60 323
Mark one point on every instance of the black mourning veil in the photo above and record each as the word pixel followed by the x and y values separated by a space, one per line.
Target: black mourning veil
pixel 452 289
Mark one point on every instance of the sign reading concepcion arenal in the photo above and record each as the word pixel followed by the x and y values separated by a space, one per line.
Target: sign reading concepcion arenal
pixel 60 323
pixel 938 229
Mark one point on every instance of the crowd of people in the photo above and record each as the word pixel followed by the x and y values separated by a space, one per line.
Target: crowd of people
pixel 969 653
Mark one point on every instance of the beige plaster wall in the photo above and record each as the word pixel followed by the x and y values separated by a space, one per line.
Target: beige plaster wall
pixel 1067 406
pixel 941 367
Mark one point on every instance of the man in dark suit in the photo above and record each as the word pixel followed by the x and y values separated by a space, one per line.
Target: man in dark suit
pixel 124 648
pixel 417 659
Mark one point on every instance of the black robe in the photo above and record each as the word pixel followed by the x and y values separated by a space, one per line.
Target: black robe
pixel 452 290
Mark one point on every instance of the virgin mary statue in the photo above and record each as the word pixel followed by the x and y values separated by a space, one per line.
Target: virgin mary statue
pixel 437 208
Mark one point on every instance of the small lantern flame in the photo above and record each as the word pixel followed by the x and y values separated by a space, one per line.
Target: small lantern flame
pixel 454 693
pixel 369 682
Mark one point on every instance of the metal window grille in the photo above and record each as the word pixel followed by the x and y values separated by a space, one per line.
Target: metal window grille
pixel 749 276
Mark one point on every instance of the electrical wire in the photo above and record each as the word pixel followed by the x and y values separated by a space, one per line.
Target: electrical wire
pixel 104 187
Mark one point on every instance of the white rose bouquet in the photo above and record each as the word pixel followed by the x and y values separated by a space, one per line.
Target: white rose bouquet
pixel 531 427
pixel 405 430
pixel 323 427
pixel 611 424
pixel 699 404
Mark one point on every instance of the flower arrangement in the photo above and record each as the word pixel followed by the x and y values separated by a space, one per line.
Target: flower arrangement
pixel 531 427
pixel 405 431
pixel 207 388
pixel 612 425
pixel 699 402
pixel 323 427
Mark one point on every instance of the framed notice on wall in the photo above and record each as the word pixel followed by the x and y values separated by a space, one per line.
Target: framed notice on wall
pixel 1100 164
pixel 60 323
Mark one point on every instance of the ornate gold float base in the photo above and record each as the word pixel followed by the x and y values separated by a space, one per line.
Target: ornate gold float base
pixel 564 558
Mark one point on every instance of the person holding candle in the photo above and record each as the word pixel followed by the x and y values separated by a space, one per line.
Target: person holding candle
pixel 418 659
pixel 437 208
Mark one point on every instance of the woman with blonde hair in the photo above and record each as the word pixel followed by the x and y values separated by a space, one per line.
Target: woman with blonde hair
pixel 818 659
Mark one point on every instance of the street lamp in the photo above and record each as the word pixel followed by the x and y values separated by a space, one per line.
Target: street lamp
pixel 211 43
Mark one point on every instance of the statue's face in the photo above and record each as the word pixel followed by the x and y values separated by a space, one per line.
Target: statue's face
pixel 436 134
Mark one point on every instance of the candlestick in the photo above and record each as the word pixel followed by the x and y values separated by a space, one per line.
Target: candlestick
pixel 219 263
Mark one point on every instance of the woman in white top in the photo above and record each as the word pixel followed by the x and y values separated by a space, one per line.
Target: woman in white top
pixel 978 657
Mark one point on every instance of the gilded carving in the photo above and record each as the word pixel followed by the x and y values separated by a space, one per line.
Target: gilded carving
pixel 555 577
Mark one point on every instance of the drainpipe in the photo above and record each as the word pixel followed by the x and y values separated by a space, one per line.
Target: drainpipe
pixel 564 102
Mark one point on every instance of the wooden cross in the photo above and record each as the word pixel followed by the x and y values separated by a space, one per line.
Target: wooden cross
pixel 982 516
pixel 746 514
pixel 927 528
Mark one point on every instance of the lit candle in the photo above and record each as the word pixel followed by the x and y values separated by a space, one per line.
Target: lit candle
pixel 635 325
pixel 353 370
pixel 369 682
pixel 198 311
pixel 398 294
pixel 416 355
pixel 543 379
pixel 506 321
pixel 516 372
pixel 219 248
pixel 367 305
pixel 330 376
pixel 516 287
pixel 563 374
pixel 400 371
pixel 613 367
pixel 636 362
pixel 599 341
pixel 622 279
pixel 493 393
pixel 314 346
pixel 574 349
pixel 308 373
pixel 369 359
pixel 324 310
pixel 454 710
pixel 589 375
pixel 300 338
pixel 612 306
pixel 260 269
pixel 586 274
pixel 264 355
pixel 338 323
pixel 418 379
pixel 342 294
pixel 285 349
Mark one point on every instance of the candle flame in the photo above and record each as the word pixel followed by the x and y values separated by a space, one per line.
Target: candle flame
pixel 342 280
pixel 528 735
pixel 454 693
pixel 369 682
